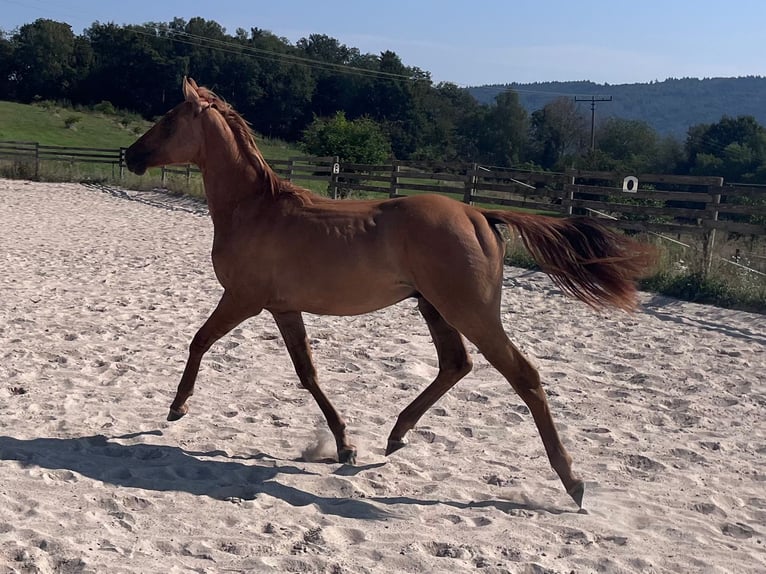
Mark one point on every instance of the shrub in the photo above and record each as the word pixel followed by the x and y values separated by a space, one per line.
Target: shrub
pixel 71 121
pixel 105 108
pixel 356 141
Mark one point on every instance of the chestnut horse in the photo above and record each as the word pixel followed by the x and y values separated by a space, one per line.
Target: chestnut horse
pixel 284 249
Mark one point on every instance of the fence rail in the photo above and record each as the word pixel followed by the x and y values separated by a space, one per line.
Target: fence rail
pixel 658 203
pixel 36 153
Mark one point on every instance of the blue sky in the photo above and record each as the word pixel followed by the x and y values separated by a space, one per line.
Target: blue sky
pixel 474 42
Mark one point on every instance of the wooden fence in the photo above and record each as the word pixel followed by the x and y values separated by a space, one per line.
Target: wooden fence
pixel 642 202
pixel 34 153
pixel 298 169
pixel 654 203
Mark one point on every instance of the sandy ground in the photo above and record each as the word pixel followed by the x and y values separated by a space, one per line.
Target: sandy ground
pixel 663 411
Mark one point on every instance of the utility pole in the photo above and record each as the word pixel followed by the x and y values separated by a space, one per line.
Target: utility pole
pixel 593 100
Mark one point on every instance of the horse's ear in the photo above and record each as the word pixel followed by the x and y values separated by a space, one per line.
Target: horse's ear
pixel 191 94
pixel 189 89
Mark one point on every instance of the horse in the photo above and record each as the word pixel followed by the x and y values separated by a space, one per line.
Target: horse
pixel 281 248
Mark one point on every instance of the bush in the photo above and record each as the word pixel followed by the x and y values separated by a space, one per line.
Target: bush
pixel 356 141
pixel 105 108
pixel 733 289
pixel 71 121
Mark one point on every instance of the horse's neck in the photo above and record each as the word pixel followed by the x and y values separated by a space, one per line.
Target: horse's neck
pixel 229 178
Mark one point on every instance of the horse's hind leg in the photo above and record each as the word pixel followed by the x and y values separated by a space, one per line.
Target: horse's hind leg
pixel 454 364
pixel 223 319
pixel 506 358
pixel 294 333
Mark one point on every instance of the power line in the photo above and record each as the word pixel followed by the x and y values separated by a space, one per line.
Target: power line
pixel 226 46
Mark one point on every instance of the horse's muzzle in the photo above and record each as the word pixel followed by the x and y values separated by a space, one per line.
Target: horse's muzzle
pixel 135 160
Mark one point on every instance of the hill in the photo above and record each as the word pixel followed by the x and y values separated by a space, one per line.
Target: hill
pixel 102 127
pixel 670 106
pixel 50 124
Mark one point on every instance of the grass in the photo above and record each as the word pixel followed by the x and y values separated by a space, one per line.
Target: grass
pixel 679 274
pixel 48 123
pixel 735 290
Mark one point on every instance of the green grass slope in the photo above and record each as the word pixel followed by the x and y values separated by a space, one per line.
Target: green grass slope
pixel 51 124
pixel 102 127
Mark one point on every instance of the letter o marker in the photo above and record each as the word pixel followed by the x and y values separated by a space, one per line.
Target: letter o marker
pixel 630 184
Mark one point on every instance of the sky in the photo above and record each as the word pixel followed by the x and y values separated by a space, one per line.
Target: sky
pixel 477 42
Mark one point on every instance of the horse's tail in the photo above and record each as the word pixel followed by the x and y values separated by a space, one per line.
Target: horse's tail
pixel 587 260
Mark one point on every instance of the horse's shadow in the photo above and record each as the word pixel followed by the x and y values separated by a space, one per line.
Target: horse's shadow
pixel 161 468
pixel 216 474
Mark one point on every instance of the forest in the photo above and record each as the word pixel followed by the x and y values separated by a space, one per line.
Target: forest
pixel 331 99
pixel 663 104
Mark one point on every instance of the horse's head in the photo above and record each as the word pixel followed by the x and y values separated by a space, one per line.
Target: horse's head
pixel 176 138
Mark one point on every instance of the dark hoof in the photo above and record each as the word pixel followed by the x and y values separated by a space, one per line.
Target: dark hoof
pixel 174 415
pixel 347 456
pixel 394 445
pixel 577 492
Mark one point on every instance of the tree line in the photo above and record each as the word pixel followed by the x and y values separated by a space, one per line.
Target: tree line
pixel 331 98
pixel 665 105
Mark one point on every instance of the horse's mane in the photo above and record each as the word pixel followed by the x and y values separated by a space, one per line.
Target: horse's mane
pixel 243 135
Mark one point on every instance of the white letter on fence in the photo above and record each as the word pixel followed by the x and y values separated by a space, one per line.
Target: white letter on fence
pixel 630 184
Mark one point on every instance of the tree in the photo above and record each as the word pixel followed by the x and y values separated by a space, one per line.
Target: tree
pixel 336 89
pixel 670 156
pixel 387 98
pixel 132 68
pixel 502 139
pixel 326 49
pixel 439 113
pixel 557 134
pixel 7 83
pixel 199 45
pixel 277 98
pixel 734 148
pixel 44 60
pixel 356 141
pixel 625 145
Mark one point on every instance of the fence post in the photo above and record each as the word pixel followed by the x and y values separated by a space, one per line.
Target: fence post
pixel 709 244
pixel 470 184
pixel 162 177
pixel 334 172
pixel 570 195
pixel 395 169
pixel 290 169
pixel 37 161
pixel 122 163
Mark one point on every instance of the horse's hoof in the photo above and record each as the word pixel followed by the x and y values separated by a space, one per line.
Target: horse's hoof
pixel 577 491
pixel 174 415
pixel 394 445
pixel 347 456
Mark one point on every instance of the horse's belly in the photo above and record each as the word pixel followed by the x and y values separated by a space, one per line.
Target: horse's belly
pixel 353 299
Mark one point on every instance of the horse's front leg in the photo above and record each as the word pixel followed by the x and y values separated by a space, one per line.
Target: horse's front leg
pixel 294 333
pixel 227 315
